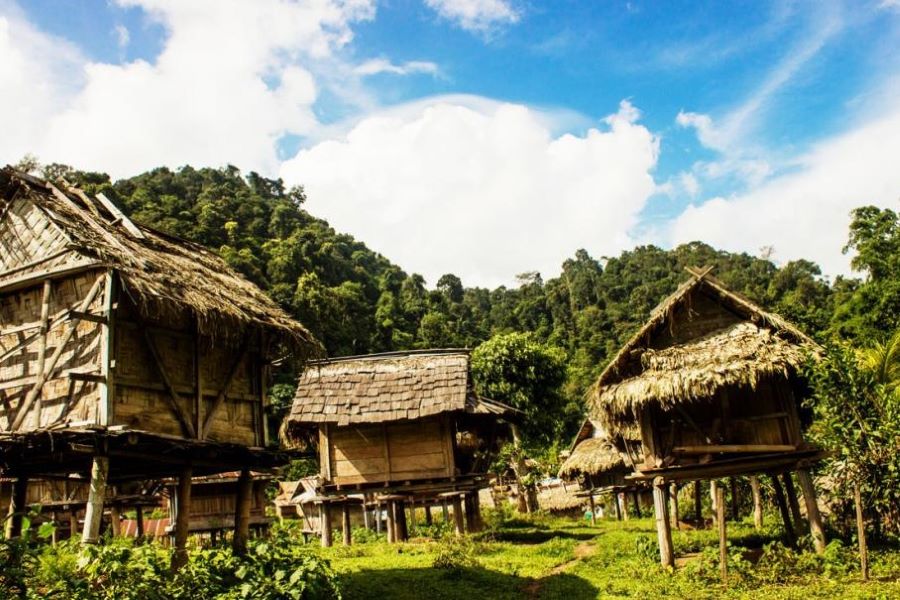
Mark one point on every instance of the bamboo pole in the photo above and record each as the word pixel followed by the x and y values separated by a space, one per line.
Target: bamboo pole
pixel 812 510
pixel 723 538
pixel 664 534
pixel 42 348
pixel 861 534
pixel 757 502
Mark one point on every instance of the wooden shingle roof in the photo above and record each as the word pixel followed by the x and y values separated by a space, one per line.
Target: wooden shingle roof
pixel 387 387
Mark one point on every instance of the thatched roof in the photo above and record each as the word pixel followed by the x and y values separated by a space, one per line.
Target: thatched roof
pixel 671 361
pixel 163 274
pixel 592 456
pixel 387 387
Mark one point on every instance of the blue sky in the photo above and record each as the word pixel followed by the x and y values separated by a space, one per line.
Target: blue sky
pixel 485 137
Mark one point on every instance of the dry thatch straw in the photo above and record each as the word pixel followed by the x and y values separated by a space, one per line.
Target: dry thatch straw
pixel 752 346
pixel 167 277
pixel 593 456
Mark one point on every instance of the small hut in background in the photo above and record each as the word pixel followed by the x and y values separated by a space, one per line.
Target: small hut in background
pixel 127 354
pixel 402 428
pixel 600 467
pixel 712 382
pixel 213 503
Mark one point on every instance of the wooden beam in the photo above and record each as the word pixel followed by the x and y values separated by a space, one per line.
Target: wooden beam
pixel 812 510
pixel 732 448
pixel 223 393
pixel 242 512
pixel 54 359
pixel 93 512
pixel 173 398
pixel 127 223
pixel 663 533
pixel 86 316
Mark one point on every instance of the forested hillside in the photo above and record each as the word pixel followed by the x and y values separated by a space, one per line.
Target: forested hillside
pixel 357 301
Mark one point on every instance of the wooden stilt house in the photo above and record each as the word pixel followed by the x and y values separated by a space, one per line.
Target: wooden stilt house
pixel 405 426
pixel 126 353
pixel 712 381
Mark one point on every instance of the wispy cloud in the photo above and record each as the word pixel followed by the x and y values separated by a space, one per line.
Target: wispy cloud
pixel 479 16
pixel 377 66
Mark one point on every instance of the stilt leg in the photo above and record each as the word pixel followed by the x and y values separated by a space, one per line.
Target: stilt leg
pixel 593 508
pixel 17 499
pixel 861 535
pixel 812 510
pixel 723 539
pixel 325 524
pixel 664 534
pixel 674 506
pixel 781 501
pixel 93 512
pixel 182 518
pixel 757 502
pixel 242 512
pixel 698 504
pixel 458 515
pixel 793 503
pixel 345 523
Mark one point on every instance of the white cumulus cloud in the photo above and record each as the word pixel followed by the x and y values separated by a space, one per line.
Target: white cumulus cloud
pixel 376 66
pixel 481 189
pixel 232 78
pixel 806 213
pixel 476 15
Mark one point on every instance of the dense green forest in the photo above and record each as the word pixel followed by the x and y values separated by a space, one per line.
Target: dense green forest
pixel 357 301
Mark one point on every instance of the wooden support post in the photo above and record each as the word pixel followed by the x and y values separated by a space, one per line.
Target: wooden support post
pixel 698 505
pixel 114 520
pixel 412 514
pixel 403 532
pixel 861 535
pixel 93 512
pixel 593 507
pixel 470 516
pixel 458 514
pixel 812 510
pixel 325 524
pixel 757 502
pixel 637 504
pixel 429 519
pixel 139 518
pixel 391 525
pixel 73 523
pixel 182 517
pixel 623 500
pixel 242 506
pixel 377 517
pixel 674 506
pixel 445 512
pixel 712 495
pixel 781 501
pixel 615 500
pixel 476 508
pixel 17 499
pixel 793 503
pixel 735 506
pixel 345 523
pixel 664 534
pixel 723 539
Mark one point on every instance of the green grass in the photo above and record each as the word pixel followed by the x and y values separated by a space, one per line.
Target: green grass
pixel 558 558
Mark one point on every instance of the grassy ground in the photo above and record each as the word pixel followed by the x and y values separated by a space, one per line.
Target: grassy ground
pixel 563 558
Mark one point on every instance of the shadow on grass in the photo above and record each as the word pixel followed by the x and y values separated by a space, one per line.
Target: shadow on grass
pixel 463 584
pixel 539 536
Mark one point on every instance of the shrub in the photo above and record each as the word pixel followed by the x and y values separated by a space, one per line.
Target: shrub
pixel 454 554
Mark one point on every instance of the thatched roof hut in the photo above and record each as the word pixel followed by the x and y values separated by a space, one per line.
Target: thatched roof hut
pixel 699 341
pixel 593 456
pixel 59 229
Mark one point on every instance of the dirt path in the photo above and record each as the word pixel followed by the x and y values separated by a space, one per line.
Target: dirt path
pixel 581 552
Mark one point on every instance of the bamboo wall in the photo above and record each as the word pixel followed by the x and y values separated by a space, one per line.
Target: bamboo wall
pixel 62 398
pixel 385 452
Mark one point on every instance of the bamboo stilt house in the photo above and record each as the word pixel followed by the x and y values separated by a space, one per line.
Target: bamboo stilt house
pixel 405 423
pixel 126 353
pixel 712 381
